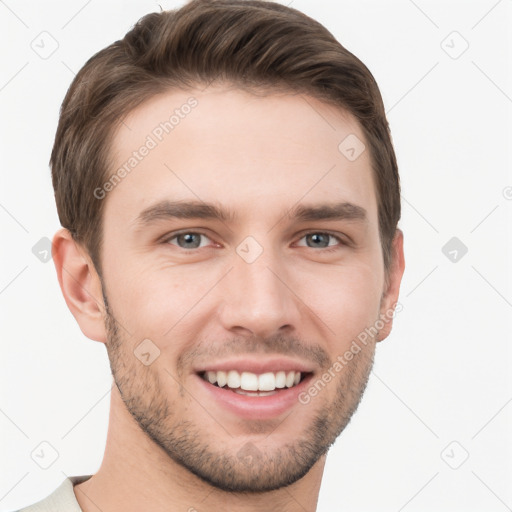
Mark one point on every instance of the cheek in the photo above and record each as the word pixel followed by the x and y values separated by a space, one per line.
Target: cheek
pixel 155 301
pixel 134 294
pixel 347 303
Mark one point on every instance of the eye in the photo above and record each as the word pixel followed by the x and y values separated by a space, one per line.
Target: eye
pixel 314 239
pixel 187 240
pixel 320 239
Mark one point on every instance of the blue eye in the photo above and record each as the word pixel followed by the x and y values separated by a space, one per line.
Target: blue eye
pixel 314 240
pixel 188 240
pixel 320 240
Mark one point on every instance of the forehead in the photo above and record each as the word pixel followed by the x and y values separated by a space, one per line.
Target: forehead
pixel 257 154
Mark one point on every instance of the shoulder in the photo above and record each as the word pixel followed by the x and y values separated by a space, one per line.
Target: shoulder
pixel 61 499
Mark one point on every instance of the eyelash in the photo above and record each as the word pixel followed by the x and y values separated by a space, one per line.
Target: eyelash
pixel 324 249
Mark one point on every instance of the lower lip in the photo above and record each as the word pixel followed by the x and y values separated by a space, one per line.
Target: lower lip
pixel 256 407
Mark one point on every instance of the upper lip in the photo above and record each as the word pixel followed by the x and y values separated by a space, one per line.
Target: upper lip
pixel 258 366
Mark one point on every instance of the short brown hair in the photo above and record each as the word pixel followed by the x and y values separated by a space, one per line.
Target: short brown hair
pixel 249 43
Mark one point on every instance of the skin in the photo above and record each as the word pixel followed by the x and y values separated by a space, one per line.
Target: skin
pixel 169 446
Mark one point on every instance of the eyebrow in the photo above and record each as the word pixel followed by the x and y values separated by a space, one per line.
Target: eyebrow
pixel 165 210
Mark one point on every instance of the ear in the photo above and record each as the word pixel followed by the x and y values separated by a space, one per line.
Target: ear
pixel 80 284
pixel 394 278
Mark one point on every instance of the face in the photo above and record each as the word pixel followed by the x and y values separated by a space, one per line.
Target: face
pixel 241 260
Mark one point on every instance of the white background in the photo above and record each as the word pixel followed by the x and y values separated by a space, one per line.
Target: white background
pixel 444 373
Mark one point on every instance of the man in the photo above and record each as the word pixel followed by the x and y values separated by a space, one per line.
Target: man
pixel 229 197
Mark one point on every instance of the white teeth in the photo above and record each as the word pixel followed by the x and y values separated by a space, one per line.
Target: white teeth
pixel 280 380
pixel 234 379
pixel 267 381
pixel 252 393
pixel 222 379
pixel 248 381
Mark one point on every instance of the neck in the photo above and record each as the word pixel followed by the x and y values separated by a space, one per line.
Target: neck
pixel 136 474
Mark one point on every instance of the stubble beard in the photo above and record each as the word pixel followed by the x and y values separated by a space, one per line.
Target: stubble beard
pixel 249 469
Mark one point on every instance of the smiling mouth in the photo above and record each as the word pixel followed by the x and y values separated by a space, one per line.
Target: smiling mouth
pixel 252 384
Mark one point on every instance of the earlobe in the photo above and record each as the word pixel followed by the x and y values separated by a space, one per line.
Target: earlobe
pixel 390 295
pixel 80 284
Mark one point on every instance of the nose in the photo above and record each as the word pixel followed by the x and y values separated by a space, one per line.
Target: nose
pixel 259 297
